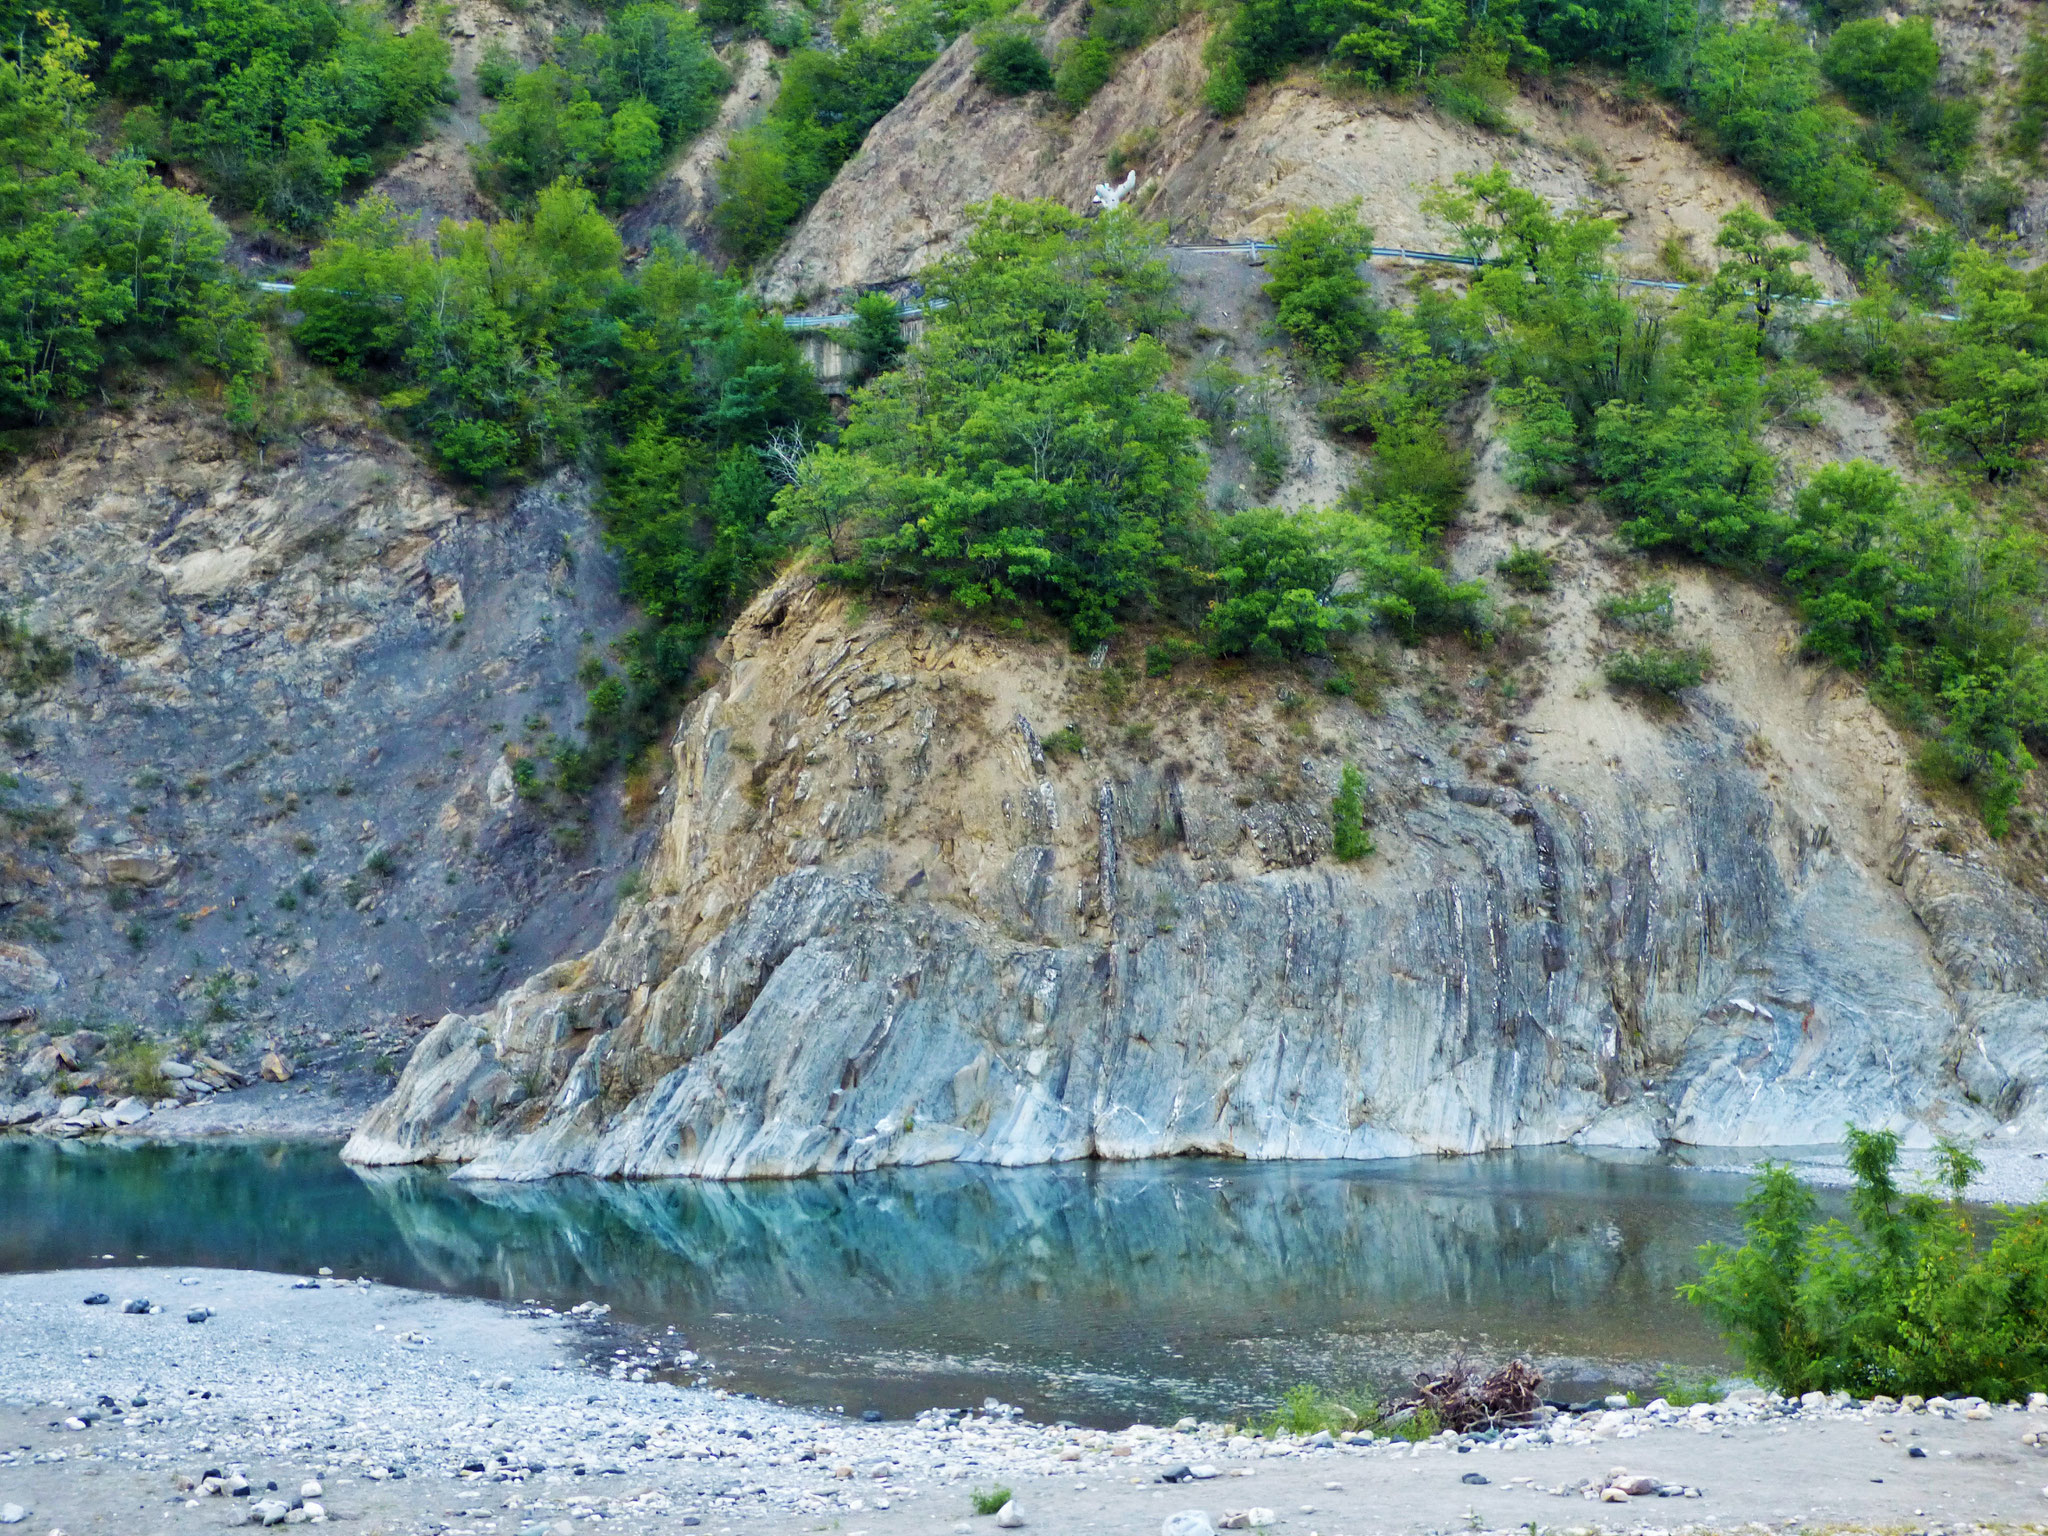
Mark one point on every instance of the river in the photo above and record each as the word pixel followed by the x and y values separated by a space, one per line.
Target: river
pixel 1097 1293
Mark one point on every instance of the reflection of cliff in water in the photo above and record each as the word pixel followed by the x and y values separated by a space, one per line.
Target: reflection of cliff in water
pixel 1078 1265
pixel 1096 1291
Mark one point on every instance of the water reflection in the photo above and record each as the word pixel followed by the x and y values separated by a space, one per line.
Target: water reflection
pixel 1091 1292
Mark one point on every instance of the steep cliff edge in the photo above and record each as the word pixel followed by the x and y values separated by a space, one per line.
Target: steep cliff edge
pixel 268 802
pixel 886 924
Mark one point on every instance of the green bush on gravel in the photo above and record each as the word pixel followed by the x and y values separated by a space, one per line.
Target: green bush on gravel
pixel 1904 1297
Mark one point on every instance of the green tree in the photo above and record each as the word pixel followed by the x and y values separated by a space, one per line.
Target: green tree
pixel 547 126
pixel 1280 596
pixel 1757 270
pixel 1027 451
pixel 1349 840
pixel 1993 376
pixel 1086 65
pixel 758 198
pixel 94 258
pixel 1394 42
pixel 1903 1298
pixel 1012 64
pixel 876 335
pixel 632 151
pixel 1325 305
pixel 1884 67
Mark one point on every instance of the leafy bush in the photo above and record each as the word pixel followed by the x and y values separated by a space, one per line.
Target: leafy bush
pixel 2030 118
pixel 1904 1298
pixel 1085 67
pixel 29 662
pixel 1993 374
pixel 1349 840
pixel 1012 64
pixel 1645 610
pixel 495 72
pixel 1307 1410
pixel 1882 66
pixel 1065 742
pixel 1279 574
pixel 1528 570
pixel 989 1501
pixel 774 170
pixel 1027 452
pixel 1658 670
pixel 1543 447
pixel 1162 656
pixel 1325 306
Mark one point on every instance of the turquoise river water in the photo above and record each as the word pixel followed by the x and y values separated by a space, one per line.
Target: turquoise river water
pixel 1098 1293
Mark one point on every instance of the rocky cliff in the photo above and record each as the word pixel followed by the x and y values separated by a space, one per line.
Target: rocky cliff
pixel 894 918
pixel 265 797
pixel 902 200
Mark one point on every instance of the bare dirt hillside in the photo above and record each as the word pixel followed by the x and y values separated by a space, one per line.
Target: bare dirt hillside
pixel 902 200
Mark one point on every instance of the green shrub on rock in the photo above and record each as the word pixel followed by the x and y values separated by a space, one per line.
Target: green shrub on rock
pixel 1012 64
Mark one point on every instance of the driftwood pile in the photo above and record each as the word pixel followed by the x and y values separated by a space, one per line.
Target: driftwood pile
pixel 1462 1401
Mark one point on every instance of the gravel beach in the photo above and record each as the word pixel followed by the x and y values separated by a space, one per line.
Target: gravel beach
pixel 393 1411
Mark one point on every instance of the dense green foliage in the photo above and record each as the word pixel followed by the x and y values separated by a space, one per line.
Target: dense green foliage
pixel 1115 28
pixel 1758 89
pixel 607 111
pixel 828 101
pixel 1658 670
pixel 876 335
pixel 2030 121
pixel 1029 452
pixel 1012 64
pixel 99 261
pixel 1026 450
pixel 513 346
pixel 1903 1298
pixel 1663 408
pixel 277 105
pixel 1324 305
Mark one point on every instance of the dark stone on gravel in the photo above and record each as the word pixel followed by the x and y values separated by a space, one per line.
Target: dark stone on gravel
pixel 198 1315
pixel 1915 1452
pixel 98 1299
pixel 873 1416
pixel 135 1308
pixel 1179 1474
pixel 1476 1479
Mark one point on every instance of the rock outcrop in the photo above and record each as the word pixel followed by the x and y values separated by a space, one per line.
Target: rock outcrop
pixel 895 919
pixel 256 798
pixel 902 201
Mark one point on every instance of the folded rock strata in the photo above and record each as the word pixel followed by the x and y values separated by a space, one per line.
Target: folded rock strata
pixel 887 924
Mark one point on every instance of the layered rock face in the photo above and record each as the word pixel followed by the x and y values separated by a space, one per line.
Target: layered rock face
pixel 268 793
pixel 895 917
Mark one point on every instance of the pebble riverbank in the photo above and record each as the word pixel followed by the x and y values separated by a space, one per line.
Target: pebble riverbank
pixel 240 1398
